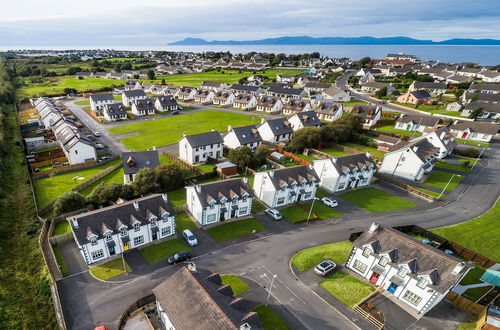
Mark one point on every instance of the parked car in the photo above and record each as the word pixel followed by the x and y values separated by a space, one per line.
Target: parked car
pixel 174 112
pixel 325 267
pixel 99 146
pixel 328 201
pixel 104 158
pixel 274 214
pixel 189 237
pixel 96 133
pixel 179 257
pixel 36 169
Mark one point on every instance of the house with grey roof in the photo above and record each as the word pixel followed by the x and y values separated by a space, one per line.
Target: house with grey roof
pixel 104 233
pixel 329 110
pixel 166 103
pixel 77 147
pixel 370 113
pixel 247 136
pixel 345 172
pixel 199 148
pixel 186 93
pixel 114 112
pixel 304 119
pixel 375 86
pixel 213 202
pixel 480 97
pixel 245 89
pixel 488 110
pixel 214 85
pixel 269 104
pixel 133 161
pixel 294 106
pixel 223 98
pixel 144 107
pixel 336 94
pixel 245 101
pixel 415 274
pixel 315 87
pixel 474 131
pixel 97 101
pixel 432 88
pixel 128 97
pixel 286 186
pixel 277 130
pixel 416 123
pixel 285 93
pixel 484 87
pixel 194 298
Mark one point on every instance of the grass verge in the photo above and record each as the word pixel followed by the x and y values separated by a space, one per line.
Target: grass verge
pixel 62 227
pixel 110 269
pixel 338 252
pixel 60 260
pixel 270 319
pixel 376 200
pixel 440 179
pixel 235 229
pixel 346 288
pixel 161 251
pixel 236 283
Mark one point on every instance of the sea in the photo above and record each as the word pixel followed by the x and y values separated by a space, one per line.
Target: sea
pixel 484 55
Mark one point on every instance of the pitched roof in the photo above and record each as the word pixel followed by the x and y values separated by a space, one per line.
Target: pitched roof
pixel 295 104
pixel 218 190
pixel 279 126
pixel 210 83
pixel 203 139
pixel 317 85
pixel 308 118
pixel 294 174
pixel 422 258
pixel 351 162
pixel 167 100
pixel 478 127
pixel 485 87
pixel 483 97
pixel 245 88
pixel 328 107
pixel 430 121
pixel 134 93
pixel 429 85
pixel 115 109
pixel 282 90
pixel 375 84
pixel 421 94
pixel 133 161
pixel 247 134
pixel 421 147
pixel 267 101
pixel 486 107
pixel 366 110
pixel 332 91
pixel 101 97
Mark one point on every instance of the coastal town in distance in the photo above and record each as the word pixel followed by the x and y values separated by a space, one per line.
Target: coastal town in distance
pixel 249 180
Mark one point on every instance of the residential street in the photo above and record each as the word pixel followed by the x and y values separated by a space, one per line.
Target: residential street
pixel 87 302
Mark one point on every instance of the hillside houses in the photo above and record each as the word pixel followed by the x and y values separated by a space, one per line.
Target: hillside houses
pixel 370 113
pixel 186 93
pixel 304 119
pixel 414 97
pixel 474 131
pixel 432 88
pixel 144 107
pixel 204 96
pixel 285 93
pixel 277 130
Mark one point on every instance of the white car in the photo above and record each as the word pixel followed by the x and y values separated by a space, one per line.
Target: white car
pixel 96 133
pixel 273 213
pixel 328 201
pixel 189 237
pixel 325 267
pixel 99 146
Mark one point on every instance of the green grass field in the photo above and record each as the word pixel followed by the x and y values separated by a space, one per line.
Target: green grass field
pixel 346 288
pixel 115 176
pixel 454 167
pixel 322 211
pixel 165 131
pixel 473 143
pixel 295 214
pixel 183 221
pixel 440 179
pixel 475 293
pixel 338 252
pixel 119 59
pixel 270 319
pixel 481 235
pixel 48 189
pixel 334 152
pixel 161 251
pixel 257 206
pixel 62 227
pixel 110 269
pixel 376 200
pixel 391 129
pixel 55 86
pixel 236 283
pixel 60 260
pixel 473 276
pixel 427 191
pixel 374 152
pixel 235 229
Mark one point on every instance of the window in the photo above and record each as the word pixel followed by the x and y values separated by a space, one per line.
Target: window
pixel 97 254
pixel 76 152
pixel 308 195
pixel 137 226
pixel 166 231
pixel 234 201
pixel 358 265
pixel 403 159
pixel 366 252
pixel 383 261
pixel 123 231
pixel 93 240
pixel 153 222
pixel 138 240
pixel 165 217
pixel 412 298
pixel 341 186
pixel 108 237
pixel 281 200
pixel 402 271
pixel 245 199
pixel 210 218
pixel 243 210
pixel 422 282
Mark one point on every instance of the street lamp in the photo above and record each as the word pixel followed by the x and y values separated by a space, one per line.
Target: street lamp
pixel 447 185
pixel 477 159
pixel 311 209
pixel 270 288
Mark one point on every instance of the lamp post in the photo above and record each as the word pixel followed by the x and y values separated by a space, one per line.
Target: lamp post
pixel 270 288
pixel 439 197
pixel 311 209
pixel 123 259
pixel 477 159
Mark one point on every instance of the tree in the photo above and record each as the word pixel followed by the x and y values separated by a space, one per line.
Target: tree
pixel 163 82
pixel 365 61
pixel 381 92
pixel 307 137
pixel 242 156
pixel 70 201
pixel 144 181
pixel 151 74
pixel 108 192
pixel 168 176
pixel 260 155
pixel 476 113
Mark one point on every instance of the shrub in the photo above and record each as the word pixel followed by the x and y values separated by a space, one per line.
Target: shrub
pixel 70 201
pixel 469 152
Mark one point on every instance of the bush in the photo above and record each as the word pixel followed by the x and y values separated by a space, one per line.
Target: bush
pixel 70 201
pixel 469 152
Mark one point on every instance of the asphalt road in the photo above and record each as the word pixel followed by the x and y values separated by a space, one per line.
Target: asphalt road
pixel 87 302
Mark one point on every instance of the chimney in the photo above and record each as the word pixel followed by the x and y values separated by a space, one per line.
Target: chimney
pixel 373 227
pixel 271 174
pixel 198 189
pixel 136 206
pixel 192 267
pixel 245 326
pixel 213 130
pixel 415 148
pixel 75 222
pixel 441 136
pixel 165 197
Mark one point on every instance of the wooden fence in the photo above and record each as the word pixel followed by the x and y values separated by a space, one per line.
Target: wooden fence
pixel 465 304
pixel 134 307
pixel 43 163
pixel 183 163
pixel 296 158
pixel 72 168
pixel 54 240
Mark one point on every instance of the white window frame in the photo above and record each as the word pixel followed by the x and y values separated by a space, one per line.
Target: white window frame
pixel 243 210
pixel 211 218
pixel 359 266
pixel 137 226
pixel 123 231
pixel 138 240
pixel 402 271
pixel 93 240
pixel 281 201
pixel 383 261
pixel 97 254
pixel 165 231
pixel 366 252
pixel 422 282
pixel 412 298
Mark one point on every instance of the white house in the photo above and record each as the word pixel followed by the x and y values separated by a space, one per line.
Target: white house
pixel 329 110
pixel 294 106
pixel 245 101
pixel 223 98
pixel 304 119
pixel 276 130
pixel 186 93
pixel 47 112
pixel 375 86
pixel 415 273
pixel 487 88
pixel 204 96
pixel 345 172
pixel 285 93
pixel 114 112
pixel 269 104
pixel 410 160
pixel 105 233
pixel 245 89
pixel 144 107
pixel 198 148
pixel 283 78
pixel 133 161
pixel 442 139
pixel 371 113
pixel 247 136
pixel 97 101
pixel 474 131
pixel 336 94
pixel 489 76
pixel 77 147
pixel 213 202
pixel 214 85
pixel 432 88
pixel 128 97
pixel 286 186
pixel 488 110
pixel 316 87
pixel 166 103
pixel 416 123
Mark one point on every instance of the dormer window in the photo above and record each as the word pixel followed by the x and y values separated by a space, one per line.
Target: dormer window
pixel 402 271
pixel 108 237
pixel 234 201
pixel 153 222
pixel 422 282
pixel 93 240
pixel 123 231
pixel 137 226
pixel 366 252
pixel 383 261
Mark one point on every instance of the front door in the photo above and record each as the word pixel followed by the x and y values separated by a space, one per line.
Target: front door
pixel 125 246
pixel 374 277
pixel 155 236
pixel 112 250
pixel 233 213
pixel 408 127
pixel 464 135
pixel 221 218
pixel 392 288
pixel 196 159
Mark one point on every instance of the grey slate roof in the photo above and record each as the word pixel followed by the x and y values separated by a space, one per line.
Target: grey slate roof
pixel 133 161
pixel 279 126
pixel 144 104
pixel 134 93
pixel 483 97
pixel 366 110
pixel 295 105
pixel 244 88
pixel 210 83
pixel 473 126
pixel 351 162
pixel 204 139
pixel 317 85
pixel 166 101
pixel 101 97
pixel 429 121
pixel 289 175
pixel 267 101
pixel 485 87
pixel 332 91
pixel 422 148
pixel 328 107
pixel 486 107
pixel 199 300
pixel 423 259
pixel 429 85
pixel 287 91
pixel 421 94
pixel 308 118
pixel 112 217
pixel 115 109
pixel 215 191
pixel 247 134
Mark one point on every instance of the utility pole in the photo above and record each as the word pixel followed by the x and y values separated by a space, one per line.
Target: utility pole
pixel 477 159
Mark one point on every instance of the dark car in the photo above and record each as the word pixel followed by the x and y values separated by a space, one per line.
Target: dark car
pixel 174 112
pixel 179 257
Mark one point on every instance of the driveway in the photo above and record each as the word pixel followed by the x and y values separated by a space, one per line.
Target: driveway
pixel 395 317
pixel 442 317
pixel 72 257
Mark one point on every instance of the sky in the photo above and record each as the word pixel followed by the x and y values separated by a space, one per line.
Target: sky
pixel 158 22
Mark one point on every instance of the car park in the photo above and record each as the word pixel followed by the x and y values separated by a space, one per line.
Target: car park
pixel 325 267
pixel 328 201
pixel 189 237
pixel 274 214
pixel 179 257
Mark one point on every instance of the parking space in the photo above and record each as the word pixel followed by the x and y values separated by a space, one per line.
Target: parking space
pixel 443 316
pixel 72 257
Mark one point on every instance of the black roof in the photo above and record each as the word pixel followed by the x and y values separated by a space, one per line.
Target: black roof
pixel 308 118
pixel 421 94
pixel 144 104
pixel 279 126
pixel 282 90
pixel 134 93
pixel 133 161
pixel 115 109
pixel 247 134
pixel 216 191
pixel 246 88
pixel 101 97
pixel 420 120
pixel 167 100
pixel 288 175
pixel 203 139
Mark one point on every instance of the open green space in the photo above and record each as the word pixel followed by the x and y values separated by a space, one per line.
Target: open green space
pixel 346 288
pixel 481 235
pixel 473 276
pixel 161 251
pixel 165 131
pixel 322 211
pixel 270 319
pixel 295 214
pixel 177 197
pixel 337 252
pixel 82 102
pixel 376 200
pixel 62 227
pixel 56 86
pixel 362 148
pixel 440 179
pixel 353 102
pixel 183 221
pixel 235 229
pixel 236 283
pixel 119 59
pixel 115 176
pixel 306 157
pixel 257 206
pixel 475 294
pixel 60 260
pixel 110 269
pixel 50 188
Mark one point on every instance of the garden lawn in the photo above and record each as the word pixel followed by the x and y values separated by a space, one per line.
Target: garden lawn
pixel 473 276
pixel 48 189
pixel 295 214
pixel 236 283
pixel 177 197
pixel 60 260
pixel 475 294
pixel 257 206
pixel 353 102
pixel 308 158
pixel 454 167
pixel 334 152
pixel 82 102
pixel 427 191
pixel 206 168
pixel 391 129
pixel 374 152
pixel 270 319
pixel 183 221
pixel 481 235
pixel 235 229
pixel 322 211
pixel 62 227
pixel 473 143
pixel 376 200
pixel 338 252
pixel 115 176
pixel 165 131
pixel 110 269
pixel 440 179
pixel 161 251
pixel 346 288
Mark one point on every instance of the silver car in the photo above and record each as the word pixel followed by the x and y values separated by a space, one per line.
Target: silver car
pixel 325 267
pixel 273 213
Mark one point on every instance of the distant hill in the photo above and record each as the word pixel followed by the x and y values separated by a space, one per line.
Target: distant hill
pixel 306 40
